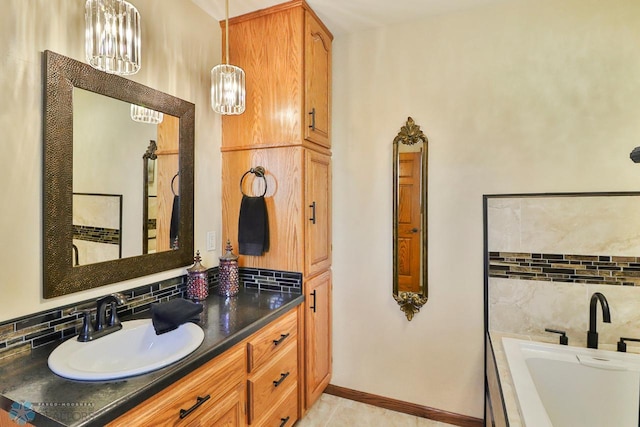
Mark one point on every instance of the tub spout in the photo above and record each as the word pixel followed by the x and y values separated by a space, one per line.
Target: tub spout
pixel 592 335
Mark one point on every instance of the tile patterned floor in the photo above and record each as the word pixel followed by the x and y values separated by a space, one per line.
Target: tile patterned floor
pixel 333 411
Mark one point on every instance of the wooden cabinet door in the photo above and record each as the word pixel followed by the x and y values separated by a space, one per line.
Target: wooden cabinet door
pixel 227 412
pixel 317 60
pixel 317 336
pixel 205 394
pixel 284 203
pixel 268 46
pixel 318 208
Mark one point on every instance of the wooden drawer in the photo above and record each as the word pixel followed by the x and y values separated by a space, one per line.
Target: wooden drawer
pixel 216 379
pixel 268 341
pixel 285 414
pixel 273 381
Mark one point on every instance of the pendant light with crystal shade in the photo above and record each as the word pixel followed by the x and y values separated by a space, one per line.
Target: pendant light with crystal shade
pixel 112 37
pixel 145 115
pixel 227 82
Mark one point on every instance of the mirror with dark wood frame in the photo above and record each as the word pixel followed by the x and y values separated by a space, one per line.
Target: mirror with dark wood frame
pixel 410 254
pixel 65 82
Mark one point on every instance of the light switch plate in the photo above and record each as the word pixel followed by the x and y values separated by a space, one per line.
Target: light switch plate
pixel 211 240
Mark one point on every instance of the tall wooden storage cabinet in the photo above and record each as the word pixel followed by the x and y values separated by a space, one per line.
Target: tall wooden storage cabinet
pixel 285 51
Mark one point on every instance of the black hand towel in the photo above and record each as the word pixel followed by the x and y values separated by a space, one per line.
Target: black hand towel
pixel 253 226
pixel 167 316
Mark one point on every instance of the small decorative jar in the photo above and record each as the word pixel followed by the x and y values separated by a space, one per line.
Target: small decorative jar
pixel 197 283
pixel 228 275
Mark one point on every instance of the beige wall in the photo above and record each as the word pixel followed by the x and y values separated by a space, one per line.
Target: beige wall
pixel 180 46
pixel 520 96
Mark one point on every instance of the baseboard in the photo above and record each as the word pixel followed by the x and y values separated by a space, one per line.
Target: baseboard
pixel 405 407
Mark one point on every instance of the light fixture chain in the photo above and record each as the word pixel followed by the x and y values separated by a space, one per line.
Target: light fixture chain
pixel 226 28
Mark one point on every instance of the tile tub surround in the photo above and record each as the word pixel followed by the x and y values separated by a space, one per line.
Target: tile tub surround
pixel 60 402
pixel 546 256
pixel 527 307
pixel 39 329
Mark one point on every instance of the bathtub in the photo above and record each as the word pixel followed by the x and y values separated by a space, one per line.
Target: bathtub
pixel 564 386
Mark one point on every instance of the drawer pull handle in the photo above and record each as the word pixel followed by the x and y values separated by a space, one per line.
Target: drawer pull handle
pixel 282 378
pixel 185 412
pixel 312 126
pixel 284 421
pixel 313 304
pixel 313 213
pixel 282 338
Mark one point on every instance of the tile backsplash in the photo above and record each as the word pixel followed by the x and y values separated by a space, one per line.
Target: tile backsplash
pixel 38 329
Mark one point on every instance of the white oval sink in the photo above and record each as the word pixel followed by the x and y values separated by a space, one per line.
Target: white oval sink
pixel 133 350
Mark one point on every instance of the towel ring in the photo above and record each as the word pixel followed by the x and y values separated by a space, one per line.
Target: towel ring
pixel 259 172
pixel 172 180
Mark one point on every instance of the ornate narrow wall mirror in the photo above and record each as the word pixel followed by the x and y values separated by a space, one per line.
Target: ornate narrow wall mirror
pixel 92 146
pixel 410 154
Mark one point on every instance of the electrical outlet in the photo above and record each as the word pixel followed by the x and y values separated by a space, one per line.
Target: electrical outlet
pixel 211 241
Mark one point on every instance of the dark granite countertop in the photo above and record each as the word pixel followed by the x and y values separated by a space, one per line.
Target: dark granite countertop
pixel 60 402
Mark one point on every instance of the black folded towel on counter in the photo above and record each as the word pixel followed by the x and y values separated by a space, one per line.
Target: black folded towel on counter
pixel 167 316
pixel 253 226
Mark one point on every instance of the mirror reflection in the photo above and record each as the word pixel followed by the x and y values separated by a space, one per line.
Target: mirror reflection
pixel 97 227
pixel 114 207
pixel 106 138
pixel 149 199
pixel 410 154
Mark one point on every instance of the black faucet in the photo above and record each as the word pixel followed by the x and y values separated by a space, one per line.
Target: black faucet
pixel 592 335
pixel 102 326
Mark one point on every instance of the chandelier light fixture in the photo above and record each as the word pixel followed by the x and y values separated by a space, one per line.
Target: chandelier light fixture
pixel 227 82
pixel 112 38
pixel 145 115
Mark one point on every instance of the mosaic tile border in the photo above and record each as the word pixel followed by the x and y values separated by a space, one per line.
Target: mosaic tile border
pixel 96 234
pixel 591 269
pixel 38 329
pixel 271 280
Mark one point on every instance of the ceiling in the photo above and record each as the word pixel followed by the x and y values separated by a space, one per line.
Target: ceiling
pixel 346 16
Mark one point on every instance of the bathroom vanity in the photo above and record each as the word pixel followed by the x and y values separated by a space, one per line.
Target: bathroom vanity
pixel 250 345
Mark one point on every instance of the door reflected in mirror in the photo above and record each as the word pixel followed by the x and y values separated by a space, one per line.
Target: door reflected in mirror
pixel 109 151
pixel 410 155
